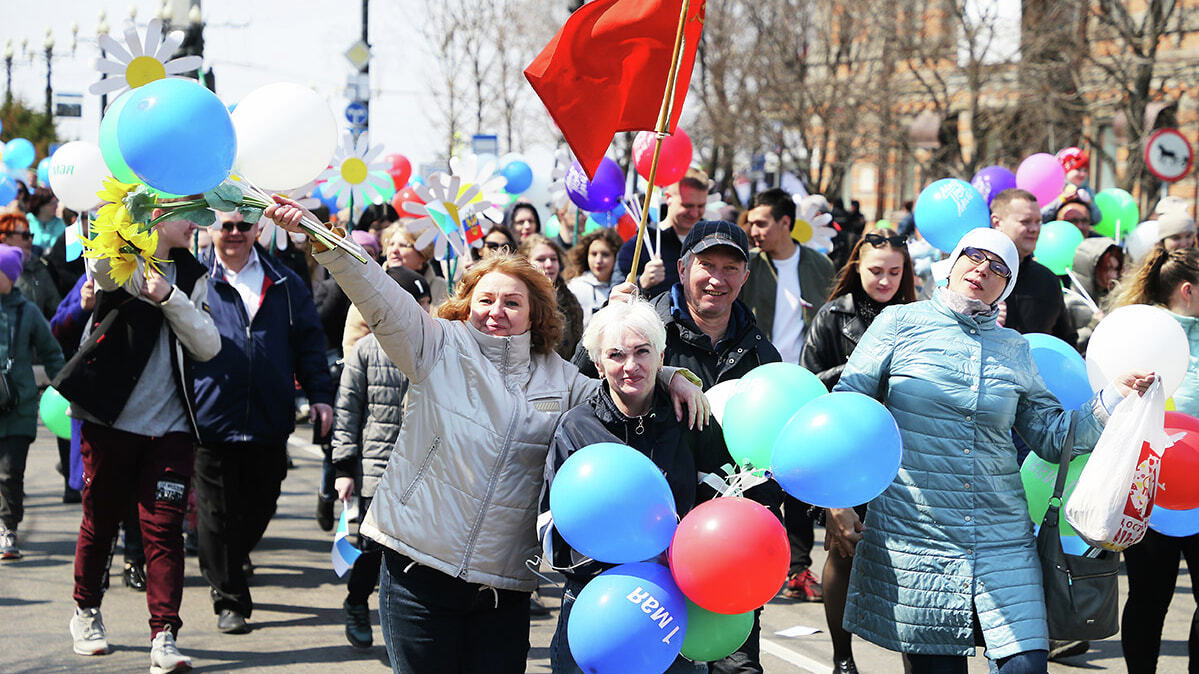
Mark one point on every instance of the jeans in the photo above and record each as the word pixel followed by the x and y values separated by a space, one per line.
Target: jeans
pixel 1152 568
pixel 121 467
pixel 14 450
pixel 561 660
pixel 237 488
pixel 1028 662
pixel 435 623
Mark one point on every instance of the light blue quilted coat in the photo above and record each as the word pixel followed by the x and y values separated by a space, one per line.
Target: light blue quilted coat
pixel 953 529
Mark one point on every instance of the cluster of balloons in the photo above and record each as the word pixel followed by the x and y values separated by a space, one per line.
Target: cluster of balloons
pixel 727 557
pixel 17 155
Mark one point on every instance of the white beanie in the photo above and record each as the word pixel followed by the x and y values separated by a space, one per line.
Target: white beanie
pixel 990 240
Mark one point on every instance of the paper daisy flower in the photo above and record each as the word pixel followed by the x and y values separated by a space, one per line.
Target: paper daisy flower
pixel 353 170
pixel 811 227
pixel 450 215
pixel 557 189
pixel 491 195
pixel 144 61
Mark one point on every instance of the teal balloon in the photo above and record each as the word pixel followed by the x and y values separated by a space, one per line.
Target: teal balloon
pixel 1056 246
pixel 109 147
pixel 19 153
pixel 553 227
pixel 947 209
pixel 1119 211
pixel 714 636
pixel 769 396
pixel 52 408
pixel 43 172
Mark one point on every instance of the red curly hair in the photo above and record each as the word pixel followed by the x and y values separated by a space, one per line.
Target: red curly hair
pixel 546 322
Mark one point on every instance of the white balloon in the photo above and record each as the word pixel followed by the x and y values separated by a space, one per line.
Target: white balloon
pixel 718 396
pixel 286 136
pixel 77 172
pixel 1142 240
pixel 1138 337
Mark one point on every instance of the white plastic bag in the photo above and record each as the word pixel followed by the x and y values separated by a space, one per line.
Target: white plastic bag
pixel 1112 501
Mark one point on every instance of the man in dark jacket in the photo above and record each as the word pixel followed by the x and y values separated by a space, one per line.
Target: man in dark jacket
pixel 270 336
pixel 685 204
pixel 710 332
pixel 1036 304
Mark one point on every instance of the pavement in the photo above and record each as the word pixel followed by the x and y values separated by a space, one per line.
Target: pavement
pixel 298 621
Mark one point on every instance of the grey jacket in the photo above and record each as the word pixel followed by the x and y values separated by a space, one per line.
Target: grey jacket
pixel 460 492
pixel 368 415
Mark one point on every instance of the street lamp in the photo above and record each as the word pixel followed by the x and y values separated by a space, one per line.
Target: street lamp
pixel 48 45
pixel 8 53
pixel 101 31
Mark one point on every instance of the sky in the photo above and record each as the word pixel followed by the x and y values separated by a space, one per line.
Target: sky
pixel 248 44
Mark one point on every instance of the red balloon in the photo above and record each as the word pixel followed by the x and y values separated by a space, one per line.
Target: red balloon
pixel 1178 481
pixel 673 161
pixel 406 194
pixel 730 555
pixel 400 170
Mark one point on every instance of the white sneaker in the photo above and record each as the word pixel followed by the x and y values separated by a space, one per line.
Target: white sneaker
pixel 165 657
pixel 87 631
pixel 8 544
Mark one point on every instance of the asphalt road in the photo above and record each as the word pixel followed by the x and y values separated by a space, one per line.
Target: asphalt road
pixel 298 621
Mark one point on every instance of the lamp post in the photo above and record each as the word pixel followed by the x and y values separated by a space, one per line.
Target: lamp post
pixel 48 45
pixel 8 53
pixel 101 31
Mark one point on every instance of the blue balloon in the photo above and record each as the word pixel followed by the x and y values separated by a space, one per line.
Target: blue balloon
pixel 632 618
pixel 177 136
pixel 1062 369
pixel 611 503
pixel 1177 523
pixel 328 200
pixel 519 175
pixel 19 153
pixel 609 218
pixel 947 209
pixel 8 190
pixel 43 172
pixel 838 451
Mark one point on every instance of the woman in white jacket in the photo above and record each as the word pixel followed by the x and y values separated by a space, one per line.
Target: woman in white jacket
pixel 593 262
pixel 456 508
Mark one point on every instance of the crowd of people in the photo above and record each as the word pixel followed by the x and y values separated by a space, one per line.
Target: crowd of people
pixel 446 397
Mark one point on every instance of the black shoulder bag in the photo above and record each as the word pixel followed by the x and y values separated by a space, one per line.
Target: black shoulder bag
pixel 1081 592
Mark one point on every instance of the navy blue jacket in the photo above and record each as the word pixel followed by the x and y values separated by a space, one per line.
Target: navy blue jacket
pixel 247 393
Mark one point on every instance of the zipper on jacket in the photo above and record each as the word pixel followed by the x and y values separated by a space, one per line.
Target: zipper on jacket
pixel 424 465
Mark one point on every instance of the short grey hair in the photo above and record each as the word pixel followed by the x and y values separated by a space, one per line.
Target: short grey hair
pixel 611 321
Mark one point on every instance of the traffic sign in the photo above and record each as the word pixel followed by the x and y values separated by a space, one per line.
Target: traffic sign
pixel 1168 155
pixel 359 54
pixel 356 113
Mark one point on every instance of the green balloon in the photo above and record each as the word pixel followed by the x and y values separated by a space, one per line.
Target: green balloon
pixel 1118 209
pixel 1039 476
pixel 754 416
pixel 552 227
pixel 53 410
pixel 713 636
pixel 108 142
pixel 883 223
pixel 1056 246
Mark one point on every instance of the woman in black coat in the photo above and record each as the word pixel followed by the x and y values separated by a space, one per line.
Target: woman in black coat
pixel 877 274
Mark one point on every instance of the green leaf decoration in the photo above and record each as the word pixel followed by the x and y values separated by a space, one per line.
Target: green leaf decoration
pixel 228 192
pixel 250 214
pixel 218 202
pixel 141 203
pixel 203 217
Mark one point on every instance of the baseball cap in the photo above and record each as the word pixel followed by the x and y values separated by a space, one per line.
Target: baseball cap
pixel 1174 222
pixel 1073 158
pixel 708 234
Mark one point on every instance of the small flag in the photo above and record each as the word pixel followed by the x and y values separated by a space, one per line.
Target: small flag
pixel 343 553
pixel 74 248
pixel 474 231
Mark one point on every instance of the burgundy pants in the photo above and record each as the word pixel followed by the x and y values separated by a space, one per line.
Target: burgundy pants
pixel 120 468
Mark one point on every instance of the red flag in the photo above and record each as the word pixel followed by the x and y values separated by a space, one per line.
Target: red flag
pixel 606 71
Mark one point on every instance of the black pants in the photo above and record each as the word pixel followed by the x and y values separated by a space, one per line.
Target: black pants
pixel 14 450
pixel 364 575
pixel 1152 568
pixel 237 487
pixel 800 533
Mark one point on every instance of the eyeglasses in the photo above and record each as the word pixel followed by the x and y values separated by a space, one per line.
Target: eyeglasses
pixel 242 226
pixel 997 266
pixel 894 240
pixel 1079 220
pixel 24 234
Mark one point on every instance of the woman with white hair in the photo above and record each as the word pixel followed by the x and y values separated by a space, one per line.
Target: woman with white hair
pixel 948 559
pixel 625 340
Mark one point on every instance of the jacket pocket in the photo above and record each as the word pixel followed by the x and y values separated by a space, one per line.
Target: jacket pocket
pixel 420 472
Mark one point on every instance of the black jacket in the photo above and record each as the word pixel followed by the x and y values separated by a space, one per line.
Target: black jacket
pixel 672 250
pixel 743 348
pixel 1036 304
pixel 832 337
pixel 680 452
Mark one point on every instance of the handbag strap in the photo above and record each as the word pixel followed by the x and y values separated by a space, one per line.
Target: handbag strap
pixel 1063 467
pixel 13 329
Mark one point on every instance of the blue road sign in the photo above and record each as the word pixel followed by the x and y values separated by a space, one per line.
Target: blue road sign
pixel 356 113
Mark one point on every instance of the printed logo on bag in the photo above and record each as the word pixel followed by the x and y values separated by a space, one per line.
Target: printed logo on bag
pixel 170 491
pixel 654 609
pixel 1139 504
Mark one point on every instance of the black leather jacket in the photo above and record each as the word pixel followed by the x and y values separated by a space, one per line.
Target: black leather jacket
pixel 832 337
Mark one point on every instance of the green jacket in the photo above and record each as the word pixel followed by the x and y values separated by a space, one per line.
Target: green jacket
pixel 816 273
pixel 33 335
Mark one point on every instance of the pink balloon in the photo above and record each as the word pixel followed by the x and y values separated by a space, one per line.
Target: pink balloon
pixel 673 161
pixel 1042 175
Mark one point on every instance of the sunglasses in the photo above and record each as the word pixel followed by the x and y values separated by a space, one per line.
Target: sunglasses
pixel 24 234
pixel 894 240
pixel 999 268
pixel 242 226
pixel 494 245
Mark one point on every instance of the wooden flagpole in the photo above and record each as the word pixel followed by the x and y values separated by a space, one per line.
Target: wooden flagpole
pixel 663 123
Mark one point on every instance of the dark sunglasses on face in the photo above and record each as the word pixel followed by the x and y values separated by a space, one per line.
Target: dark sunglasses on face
pixel 998 267
pixel 242 226
pixel 895 240
pixel 24 234
pixel 494 245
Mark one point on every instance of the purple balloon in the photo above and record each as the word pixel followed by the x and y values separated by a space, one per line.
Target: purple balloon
pixel 992 180
pixel 599 195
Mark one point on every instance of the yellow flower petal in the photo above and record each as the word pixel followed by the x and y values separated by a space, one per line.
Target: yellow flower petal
pixel 122 268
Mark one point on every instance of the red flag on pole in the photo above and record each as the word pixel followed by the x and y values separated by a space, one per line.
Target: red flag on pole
pixel 606 71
